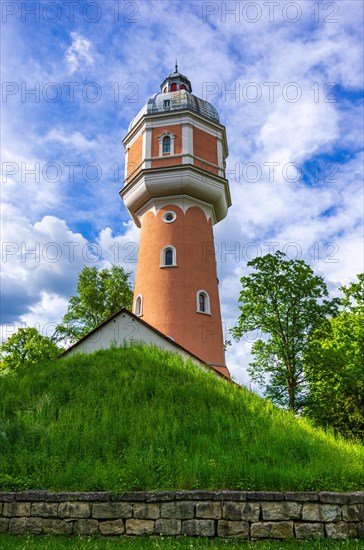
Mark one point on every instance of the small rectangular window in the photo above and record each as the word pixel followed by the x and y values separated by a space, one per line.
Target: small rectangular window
pixel 166 103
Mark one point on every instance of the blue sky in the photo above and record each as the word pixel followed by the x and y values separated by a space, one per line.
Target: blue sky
pixel 287 81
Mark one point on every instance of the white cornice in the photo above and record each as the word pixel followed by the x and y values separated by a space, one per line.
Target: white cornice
pixel 177 180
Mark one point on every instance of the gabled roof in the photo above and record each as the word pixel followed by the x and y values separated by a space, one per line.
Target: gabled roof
pixel 150 327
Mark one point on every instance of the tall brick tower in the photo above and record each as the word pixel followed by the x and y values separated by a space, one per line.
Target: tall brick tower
pixel 175 190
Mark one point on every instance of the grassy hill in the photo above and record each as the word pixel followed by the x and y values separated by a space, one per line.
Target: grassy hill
pixel 139 418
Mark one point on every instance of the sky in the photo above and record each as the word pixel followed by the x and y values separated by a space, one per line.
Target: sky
pixel 287 80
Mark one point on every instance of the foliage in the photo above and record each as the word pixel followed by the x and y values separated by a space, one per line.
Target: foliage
pixel 139 418
pixel 335 367
pixel 99 295
pixel 25 348
pixel 57 542
pixel 286 301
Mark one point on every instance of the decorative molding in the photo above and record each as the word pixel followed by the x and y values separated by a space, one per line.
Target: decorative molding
pixel 184 202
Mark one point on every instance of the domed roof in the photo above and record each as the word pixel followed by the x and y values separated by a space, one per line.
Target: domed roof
pixel 176 95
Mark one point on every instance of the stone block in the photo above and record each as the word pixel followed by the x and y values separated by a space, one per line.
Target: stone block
pixel 230 495
pixel 16 509
pixel 333 498
pixel 30 496
pixel 86 526
pixel 60 497
pixel 306 531
pixel 168 527
pixel 194 495
pixel 304 496
pixel 22 526
pixel 7 496
pixel 357 497
pixel 112 510
pixel 160 496
pixel 139 527
pixel 340 530
pixel 146 511
pixel 353 512
pixel 272 530
pixel 4 525
pixel 321 512
pixel 178 510
pixel 130 496
pixel 281 510
pixel 238 529
pixel 57 526
pixel 208 510
pixel 115 527
pixel 360 530
pixel 240 511
pixel 74 510
pixel 44 509
pixel 264 495
pixel 198 528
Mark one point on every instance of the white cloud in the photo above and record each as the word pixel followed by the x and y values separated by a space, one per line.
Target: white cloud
pixel 76 140
pixel 79 53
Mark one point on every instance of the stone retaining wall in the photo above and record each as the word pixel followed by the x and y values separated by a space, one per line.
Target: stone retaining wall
pixel 226 514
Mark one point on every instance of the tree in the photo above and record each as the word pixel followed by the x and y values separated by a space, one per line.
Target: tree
pixel 99 295
pixel 335 367
pixel 286 301
pixel 26 347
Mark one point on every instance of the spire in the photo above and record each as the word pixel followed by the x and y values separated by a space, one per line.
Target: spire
pixel 176 67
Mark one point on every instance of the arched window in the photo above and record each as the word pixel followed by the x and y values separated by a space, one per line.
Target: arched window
pixel 203 302
pixel 166 144
pixel 138 309
pixel 183 87
pixel 165 90
pixel 168 256
pixel 173 87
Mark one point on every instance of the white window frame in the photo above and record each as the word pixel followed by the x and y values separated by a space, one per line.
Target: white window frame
pixel 160 139
pixel 139 297
pixel 169 213
pixel 174 256
pixel 207 302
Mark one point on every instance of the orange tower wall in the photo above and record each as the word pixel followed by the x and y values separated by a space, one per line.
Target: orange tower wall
pixel 135 155
pixel 169 293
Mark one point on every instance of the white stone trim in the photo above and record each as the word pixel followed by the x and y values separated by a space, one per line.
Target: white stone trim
pixel 207 302
pixel 161 138
pixel 126 163
pixel 169 214
pixel 140 312
pixel 220 159
pixel 147 148
pixel 174 256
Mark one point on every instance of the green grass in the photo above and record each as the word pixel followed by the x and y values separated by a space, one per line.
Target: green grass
pixel 11 542
pixel 141 419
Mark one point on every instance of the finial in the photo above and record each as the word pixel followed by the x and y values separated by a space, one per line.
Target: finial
pixel 176 67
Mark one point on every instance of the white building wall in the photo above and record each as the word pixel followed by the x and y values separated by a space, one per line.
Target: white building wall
pixel 124 329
